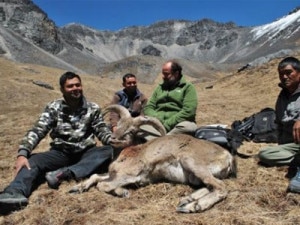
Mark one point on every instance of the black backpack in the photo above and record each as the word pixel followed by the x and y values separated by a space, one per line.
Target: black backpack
pixel 227 138
pixel 259 127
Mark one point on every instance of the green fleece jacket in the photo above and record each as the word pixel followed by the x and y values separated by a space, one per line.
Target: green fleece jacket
pixel 172 106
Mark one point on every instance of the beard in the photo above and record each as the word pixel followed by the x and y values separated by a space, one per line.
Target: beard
pixel 169 84
pixel 75 96
pixel 131 91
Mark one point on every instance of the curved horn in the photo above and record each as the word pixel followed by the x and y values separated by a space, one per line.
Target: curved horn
pixel 120 110
pixel 146 120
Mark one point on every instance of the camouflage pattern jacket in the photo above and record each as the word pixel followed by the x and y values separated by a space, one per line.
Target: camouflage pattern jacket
pixel 71 132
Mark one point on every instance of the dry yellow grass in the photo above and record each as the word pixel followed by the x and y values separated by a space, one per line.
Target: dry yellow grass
pixel 256 196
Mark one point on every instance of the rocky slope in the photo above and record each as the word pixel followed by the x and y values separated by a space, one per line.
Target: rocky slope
pixel 205 47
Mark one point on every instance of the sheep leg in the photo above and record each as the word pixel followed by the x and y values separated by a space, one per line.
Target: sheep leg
pixel 203 203
pixel 204 198
pixel 193 197
pixel 87 184
pixel 113 187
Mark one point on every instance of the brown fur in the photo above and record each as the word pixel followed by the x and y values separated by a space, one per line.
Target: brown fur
pixel 174 158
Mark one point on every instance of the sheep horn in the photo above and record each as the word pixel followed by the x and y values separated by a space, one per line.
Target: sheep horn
pixel 146 120
pixel 120 110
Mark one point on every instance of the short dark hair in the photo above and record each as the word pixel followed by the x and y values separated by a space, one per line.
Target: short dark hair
pixel 127 75
pixel 294 62
pixel 175 66
pixel 67 76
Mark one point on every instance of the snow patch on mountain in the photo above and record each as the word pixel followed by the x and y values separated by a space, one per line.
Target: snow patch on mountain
pixel 273 29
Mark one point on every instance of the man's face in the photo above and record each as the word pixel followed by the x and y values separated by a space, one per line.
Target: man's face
pixel 169 78
pixel 130 84
pixel 72 89
pixel 289 78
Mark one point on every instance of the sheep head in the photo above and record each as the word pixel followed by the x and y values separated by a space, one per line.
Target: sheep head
pixel 129 130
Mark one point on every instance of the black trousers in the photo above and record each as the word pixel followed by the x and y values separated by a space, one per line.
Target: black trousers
pixel 82 165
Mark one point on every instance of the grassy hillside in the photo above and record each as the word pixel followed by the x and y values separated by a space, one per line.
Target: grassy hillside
pixel 257 196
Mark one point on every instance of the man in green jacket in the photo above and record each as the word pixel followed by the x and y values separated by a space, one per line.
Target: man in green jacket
pixel 174 101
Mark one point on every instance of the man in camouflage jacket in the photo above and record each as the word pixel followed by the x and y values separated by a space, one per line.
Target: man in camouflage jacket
pixel 73 123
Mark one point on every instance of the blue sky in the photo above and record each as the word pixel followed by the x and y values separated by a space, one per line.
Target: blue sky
pixel 117 14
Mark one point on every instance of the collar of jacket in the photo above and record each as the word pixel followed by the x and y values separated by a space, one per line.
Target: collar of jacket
pixel 180 83
pixel 83 105
pixel 137 94
pixel 287 92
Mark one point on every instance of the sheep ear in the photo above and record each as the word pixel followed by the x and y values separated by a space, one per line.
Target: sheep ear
pixel 146 120
pixel 120 110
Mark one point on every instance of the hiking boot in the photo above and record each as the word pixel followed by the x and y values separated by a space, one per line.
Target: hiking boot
pixel 292 171
pixel 294 185
pixel 55 178
pixel 13 197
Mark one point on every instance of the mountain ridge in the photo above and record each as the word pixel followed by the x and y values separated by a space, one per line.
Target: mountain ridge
pixel 207 46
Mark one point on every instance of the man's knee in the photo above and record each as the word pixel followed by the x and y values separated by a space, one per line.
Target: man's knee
pixel 185 127
pixel 275 156
pixel 263 155
pixel 105 149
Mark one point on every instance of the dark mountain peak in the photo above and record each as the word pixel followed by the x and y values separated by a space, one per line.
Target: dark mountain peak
pixel 28 20
pixel 294 10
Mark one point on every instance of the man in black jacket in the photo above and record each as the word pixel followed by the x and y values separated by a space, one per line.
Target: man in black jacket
pixel 287 109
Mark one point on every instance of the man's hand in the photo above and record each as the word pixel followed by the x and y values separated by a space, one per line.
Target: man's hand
pixel 113 142
pixel 296 131
pixel 114 128
pixel 21 162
